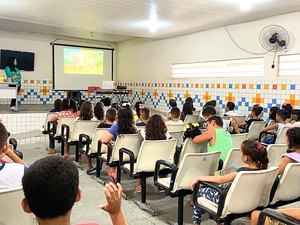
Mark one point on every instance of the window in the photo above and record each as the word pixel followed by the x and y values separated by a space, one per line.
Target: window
pixel 289 65
pixel 253 67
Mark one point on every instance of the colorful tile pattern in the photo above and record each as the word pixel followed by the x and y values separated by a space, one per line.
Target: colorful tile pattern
pixel 267 93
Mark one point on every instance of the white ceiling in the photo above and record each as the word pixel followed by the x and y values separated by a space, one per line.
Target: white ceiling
pixel 119 20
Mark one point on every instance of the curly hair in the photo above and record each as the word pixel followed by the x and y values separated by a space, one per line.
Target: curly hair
pixel 86 111
pixel 125 121
pixel 156 128
pixel 293 137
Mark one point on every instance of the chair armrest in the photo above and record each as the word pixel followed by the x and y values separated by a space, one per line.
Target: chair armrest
pixel 51 127
pixel 214 186
pixel 273 214
pixel 170 165
pixel 65 136
pixel 87 139
pixel 123 151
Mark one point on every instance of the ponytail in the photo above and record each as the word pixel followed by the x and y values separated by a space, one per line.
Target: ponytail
pixel 257 153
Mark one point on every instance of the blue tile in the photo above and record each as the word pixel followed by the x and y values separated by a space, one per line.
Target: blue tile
pixel 258 86
pixel 293 86
pixel 206 85
pixel 230 85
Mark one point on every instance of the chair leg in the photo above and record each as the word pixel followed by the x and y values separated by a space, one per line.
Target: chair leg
pixel 62 148
pixel 77 152
pixel 118 174
pixel 143 191
pixel 98 166
pixel 180 210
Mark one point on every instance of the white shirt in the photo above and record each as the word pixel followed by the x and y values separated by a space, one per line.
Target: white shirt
pixel 11 175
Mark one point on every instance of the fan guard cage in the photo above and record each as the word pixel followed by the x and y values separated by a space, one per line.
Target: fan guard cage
pixel 267 32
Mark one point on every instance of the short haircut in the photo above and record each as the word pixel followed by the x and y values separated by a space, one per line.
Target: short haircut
pixel 209 111
pixel 106 101
pixel 111 114
pixel 297 113
pixel 175 112
pixel 172 103
pixel 257 110
pixel 145 113
pixel 218 120
pixel 3 136
pixel 50 187
pixel 283 114
pixel 57 103
pixel 230 105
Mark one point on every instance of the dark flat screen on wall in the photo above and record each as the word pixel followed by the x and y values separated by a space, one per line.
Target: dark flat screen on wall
pixel 25 59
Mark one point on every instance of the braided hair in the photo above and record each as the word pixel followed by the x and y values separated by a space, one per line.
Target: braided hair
pixel 257 153
pixel 293 136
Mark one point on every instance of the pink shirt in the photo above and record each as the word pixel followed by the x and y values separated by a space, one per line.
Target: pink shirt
pixel 67 113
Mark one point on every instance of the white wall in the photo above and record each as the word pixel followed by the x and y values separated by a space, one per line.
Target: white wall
pixel 144 60
pixel 40 45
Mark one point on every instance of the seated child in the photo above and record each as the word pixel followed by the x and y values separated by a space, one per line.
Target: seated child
pixel 175 117
pixel 51 187
pixel 252 153
pixel 229 109
pixel 144 117
pixel 57 105
pixel 281 117
pixel 172 104
pixel 10 173
pixel 109 119
pixel 254 116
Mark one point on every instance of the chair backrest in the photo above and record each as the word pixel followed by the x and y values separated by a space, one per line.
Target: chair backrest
pixel 84 127
pixel 47 119
pixel 281 135
pixel 175 127
pixel 176 131
pixel 65 120
pixel 193 165
pixel 275 152
pixel 191 119
pixel 237 139
pixel 289 185
pixel 190 147
pixel 240 198
pixel 255 128
pixel 151 151
pixel 12 213
pixel 129 141
pixel 240 118
pixel 233 159
pixel 98 133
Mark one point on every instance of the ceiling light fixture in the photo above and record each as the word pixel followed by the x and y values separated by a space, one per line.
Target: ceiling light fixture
pixel 245 5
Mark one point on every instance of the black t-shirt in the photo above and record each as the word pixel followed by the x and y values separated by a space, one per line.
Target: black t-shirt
pixel 104 125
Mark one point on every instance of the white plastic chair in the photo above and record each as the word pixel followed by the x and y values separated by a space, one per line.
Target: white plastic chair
pixel 254 130
pixel 233 159
pixel 275 152
pixel 288 189
pixel 190 147
pixel 85 127
pixel 149 153
pixel 176 131
pixel 192 165
pixel 191 119
pixel 237 139
pixel 12 213
pixel 45 129
pixel 240 198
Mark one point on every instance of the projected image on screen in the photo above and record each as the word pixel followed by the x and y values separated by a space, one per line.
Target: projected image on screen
pixel 83 61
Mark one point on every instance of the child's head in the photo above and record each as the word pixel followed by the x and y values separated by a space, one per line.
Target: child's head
pixel 256 111
pixel 73 105
pixel 145 114
pixel 175 113
pixel 51 186
pixel 230 106
pixel 254 152
pixel 295 114
pixel 99 111
pixel 172 103
pixel 282 115
pixel 138 105
pixel 116 106
pixel 208 111
pixel 187 108
pixel 111 115
pixel 293 138
pixel 3 137
pixel 189 99
pixel 273 112
pixel 57 103
pixel 86 111
pixel 288 107
pixel 215 121
pixel 156 128
pixel 106 101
